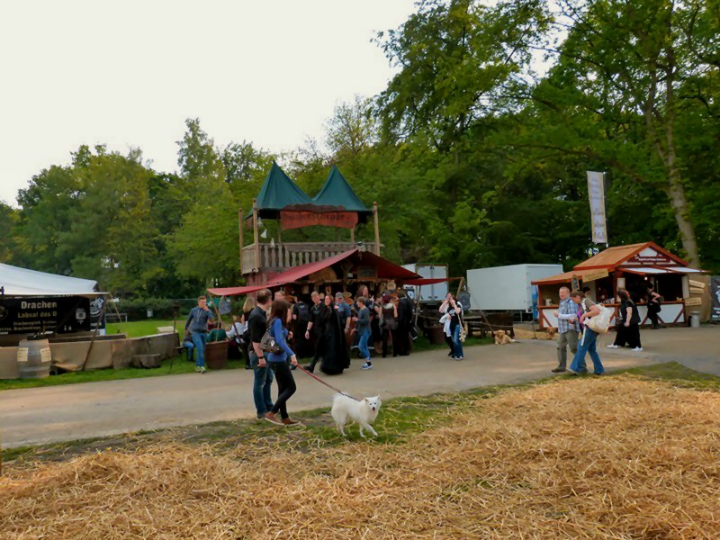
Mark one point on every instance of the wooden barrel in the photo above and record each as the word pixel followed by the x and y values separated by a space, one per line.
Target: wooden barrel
pixel 34 358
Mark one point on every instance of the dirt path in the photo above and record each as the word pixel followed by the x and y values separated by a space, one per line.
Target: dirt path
pixel 62 413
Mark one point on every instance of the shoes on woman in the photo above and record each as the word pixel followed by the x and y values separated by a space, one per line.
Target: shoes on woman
pixel 270 417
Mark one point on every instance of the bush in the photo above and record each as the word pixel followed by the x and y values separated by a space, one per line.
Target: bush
pixel 163 308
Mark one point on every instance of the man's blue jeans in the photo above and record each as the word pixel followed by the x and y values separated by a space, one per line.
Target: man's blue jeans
pixel 457 344
pixel 363 344
pixel 199 339
pixel 587 344
pixel 262 385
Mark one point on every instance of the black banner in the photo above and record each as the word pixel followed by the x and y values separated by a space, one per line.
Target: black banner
pixel 715 297
pixel 29 315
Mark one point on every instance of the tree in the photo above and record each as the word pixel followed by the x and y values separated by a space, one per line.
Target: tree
pixel 9 249
pixel 46 209
pixel 112 234
pixel 633 70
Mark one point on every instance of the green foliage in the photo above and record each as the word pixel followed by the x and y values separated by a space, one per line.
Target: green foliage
pixel 9 218
pixel 474 158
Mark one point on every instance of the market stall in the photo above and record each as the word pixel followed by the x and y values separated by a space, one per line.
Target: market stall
pixel 632 267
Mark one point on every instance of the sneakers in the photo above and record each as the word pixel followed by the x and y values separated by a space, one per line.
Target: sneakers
pixel 459 357
pixel 638 349
pixel 366 366
pixel 270 417
pixel 612 346
pixel 200 369
pixel 291 422
pixel 571 372
pixel 558 370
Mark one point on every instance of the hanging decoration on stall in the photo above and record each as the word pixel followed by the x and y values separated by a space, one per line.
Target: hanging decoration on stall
pixel 596 192
pixel 296 219
pixel 715 297
pixel 31 315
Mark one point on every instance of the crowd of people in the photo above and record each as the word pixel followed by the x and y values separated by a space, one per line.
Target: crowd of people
pixel 327 329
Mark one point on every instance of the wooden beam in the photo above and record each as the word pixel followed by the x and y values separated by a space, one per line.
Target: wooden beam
pixel 377 229
pixel 352 235
pixel 256 234
pixel 240 238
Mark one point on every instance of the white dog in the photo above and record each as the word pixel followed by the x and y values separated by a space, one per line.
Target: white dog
pixel 364 412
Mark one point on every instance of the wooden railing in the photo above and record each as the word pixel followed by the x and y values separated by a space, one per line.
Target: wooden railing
pixel 286 255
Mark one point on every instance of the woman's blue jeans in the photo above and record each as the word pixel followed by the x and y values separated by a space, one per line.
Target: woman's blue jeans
pixel 363 344
pixel 588 344
pixel 199 339
pixel 457 344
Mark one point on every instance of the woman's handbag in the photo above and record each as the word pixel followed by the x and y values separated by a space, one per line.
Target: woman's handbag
pixel 268 343
pixel 463 330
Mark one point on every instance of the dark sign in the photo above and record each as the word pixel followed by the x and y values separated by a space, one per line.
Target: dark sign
pixel 715 297
pixel 30 315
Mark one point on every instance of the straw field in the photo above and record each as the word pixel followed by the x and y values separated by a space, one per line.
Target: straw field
pixel 614 457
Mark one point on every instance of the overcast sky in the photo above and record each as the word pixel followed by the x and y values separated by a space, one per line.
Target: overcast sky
pixel 129 72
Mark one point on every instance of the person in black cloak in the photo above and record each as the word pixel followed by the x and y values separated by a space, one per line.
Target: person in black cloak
pixel 336 358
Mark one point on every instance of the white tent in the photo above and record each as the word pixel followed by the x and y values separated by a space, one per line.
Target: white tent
pixel 18 281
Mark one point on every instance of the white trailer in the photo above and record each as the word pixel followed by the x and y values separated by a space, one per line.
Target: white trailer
pixel 506 288
pixel 429 293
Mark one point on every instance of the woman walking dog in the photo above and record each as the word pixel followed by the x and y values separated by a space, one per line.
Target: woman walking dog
pixel 278 362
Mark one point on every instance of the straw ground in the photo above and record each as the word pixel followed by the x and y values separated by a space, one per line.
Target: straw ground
pixel 616 457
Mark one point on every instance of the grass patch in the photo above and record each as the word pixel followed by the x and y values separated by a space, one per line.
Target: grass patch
pixel 142 328
pixel 678 375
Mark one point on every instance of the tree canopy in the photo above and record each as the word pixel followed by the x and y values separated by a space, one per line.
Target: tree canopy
pixel 476 152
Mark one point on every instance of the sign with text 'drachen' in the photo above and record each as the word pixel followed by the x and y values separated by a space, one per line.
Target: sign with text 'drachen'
pixel 30 315
pixel 596 193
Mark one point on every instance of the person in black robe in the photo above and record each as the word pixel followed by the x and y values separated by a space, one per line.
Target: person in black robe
pixel 336 357
pixel 405 315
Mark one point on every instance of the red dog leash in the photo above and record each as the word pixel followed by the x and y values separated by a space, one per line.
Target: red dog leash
pixel 318 379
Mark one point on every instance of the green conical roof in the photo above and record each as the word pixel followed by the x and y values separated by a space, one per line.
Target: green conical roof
pixel 337 192
pixel 278 191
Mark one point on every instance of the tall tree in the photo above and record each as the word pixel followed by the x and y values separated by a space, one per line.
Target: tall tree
pixel 9 248
pixel 634 68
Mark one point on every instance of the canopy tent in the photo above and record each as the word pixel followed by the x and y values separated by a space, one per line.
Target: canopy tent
pixel 384 269
pixel 16 281
pixel 279 192
pixel 335 205
pixel 336 192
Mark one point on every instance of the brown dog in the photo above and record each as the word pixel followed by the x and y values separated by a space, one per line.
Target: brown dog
pixel 501 338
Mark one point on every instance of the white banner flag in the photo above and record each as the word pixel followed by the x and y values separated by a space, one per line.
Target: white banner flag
pixel 596 192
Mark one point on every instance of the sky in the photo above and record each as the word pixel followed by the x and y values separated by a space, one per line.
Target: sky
pixel 128 73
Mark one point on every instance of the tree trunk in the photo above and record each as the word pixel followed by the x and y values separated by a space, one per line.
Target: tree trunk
pixel 678 201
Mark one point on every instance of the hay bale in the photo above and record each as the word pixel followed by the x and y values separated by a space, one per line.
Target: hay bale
pixel 631 460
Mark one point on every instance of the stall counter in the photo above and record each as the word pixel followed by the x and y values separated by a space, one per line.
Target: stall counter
pixel 673 313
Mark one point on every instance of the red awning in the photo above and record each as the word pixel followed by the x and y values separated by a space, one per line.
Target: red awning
pixel 237 291
pixel 429 281
pixel 385 270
